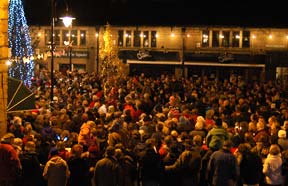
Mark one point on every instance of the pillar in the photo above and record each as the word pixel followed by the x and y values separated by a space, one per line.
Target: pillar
pixel 3 67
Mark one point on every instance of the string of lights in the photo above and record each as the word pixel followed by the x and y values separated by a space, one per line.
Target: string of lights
pixel 19 41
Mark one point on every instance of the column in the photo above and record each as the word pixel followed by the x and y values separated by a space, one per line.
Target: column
pixel 3 67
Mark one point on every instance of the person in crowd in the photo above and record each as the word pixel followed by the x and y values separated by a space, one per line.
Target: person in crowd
pixel 222 168
pixel 31 168
pixel 187 165
pixel 127 165
pixel 10 165
pixel 272 167
pixel 216 136
pixel 250 166
pixel 107 171
pixel 282 140
pixel 56 170
pixel 151 165
pixel 78 167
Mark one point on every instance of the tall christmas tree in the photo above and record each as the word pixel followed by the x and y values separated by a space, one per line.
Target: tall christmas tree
pixel 22 65
pixel 110 65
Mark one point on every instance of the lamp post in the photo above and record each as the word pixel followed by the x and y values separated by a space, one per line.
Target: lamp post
pixel 52 52
pixel 67 20
pixel 97 50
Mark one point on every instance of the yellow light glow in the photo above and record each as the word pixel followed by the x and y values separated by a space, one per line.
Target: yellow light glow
pixel 172 35
pixel 270 36
pixel 39 34
pixel 253 37
pixel 8 63
pixel 96 35
pixel 188 35
pixel 67 20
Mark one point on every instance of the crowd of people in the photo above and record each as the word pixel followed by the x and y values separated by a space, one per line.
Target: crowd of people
pixel 148 131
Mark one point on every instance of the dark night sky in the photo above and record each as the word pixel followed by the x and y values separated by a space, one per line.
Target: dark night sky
pixel 163 12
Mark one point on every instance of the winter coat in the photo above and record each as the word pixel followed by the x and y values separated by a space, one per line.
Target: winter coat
pixel 107 172
pixel 272 169
pixel 56 172
pixel 31 170
pixel 9 163
pixel 188 166
pixel 222 168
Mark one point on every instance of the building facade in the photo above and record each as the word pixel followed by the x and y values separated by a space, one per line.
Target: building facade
pixel 183 51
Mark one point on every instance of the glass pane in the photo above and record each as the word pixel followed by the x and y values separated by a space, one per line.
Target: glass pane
pixel 120 38
pixel 74 37
pixel 57 37
pixel 82 37
pixel 225 38
pixel 235 39
pixel 215 39
pixel 153 38
pixel 205 38
pixel 246 39
pixel 146 39
pixel 128 38
pixel 137 38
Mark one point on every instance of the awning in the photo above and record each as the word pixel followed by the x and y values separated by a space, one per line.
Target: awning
pixel 20 98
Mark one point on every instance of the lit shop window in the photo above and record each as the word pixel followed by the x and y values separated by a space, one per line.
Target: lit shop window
pixel 146 39
pixel 215 38
pixel 235 39
pixel 137 38
pixel 246 39
pixel 128 38
pixel 153 38
pixel 120 38
pixel 82 37
pixel 205 38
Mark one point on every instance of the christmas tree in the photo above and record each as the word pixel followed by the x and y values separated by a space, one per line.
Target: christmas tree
pixel 110 65
pixel 22 65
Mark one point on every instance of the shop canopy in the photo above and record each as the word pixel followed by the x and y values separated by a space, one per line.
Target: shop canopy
pixel 20 98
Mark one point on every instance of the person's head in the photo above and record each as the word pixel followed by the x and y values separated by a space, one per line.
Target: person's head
pixel 8 138
pixel 227 145
pixel 197 140
pixel 244 148
pixel 53 152
pixel 218 122
pixel 30 146
pixel 77 150
pixel 274 149
pixel 282 134
pixel 110 151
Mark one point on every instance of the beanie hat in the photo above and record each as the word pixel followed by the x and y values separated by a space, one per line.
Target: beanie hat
pixel 282 134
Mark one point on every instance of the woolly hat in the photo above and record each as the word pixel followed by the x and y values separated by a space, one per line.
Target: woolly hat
pixel 282 134
pixel 54 151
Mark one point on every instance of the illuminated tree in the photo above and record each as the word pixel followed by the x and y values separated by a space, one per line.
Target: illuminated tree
pixel 110 64
pixel 22 65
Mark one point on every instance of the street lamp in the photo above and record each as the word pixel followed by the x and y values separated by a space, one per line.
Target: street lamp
pixel 66 20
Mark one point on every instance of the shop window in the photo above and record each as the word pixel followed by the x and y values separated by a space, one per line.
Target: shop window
pixel 215 38
pixel 235 39
pixel 205 38
pixel 153 38
pixel 225 38
pixel 82 37
pixel 120 38
pixel 128 38
pixel 246 39
pixel 146 39
pixel 137 38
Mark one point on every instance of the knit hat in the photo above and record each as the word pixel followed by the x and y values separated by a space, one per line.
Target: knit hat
pixel 54 151
pixel 282 134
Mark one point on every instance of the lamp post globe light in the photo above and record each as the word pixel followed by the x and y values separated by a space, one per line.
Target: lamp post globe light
pixel 67 21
